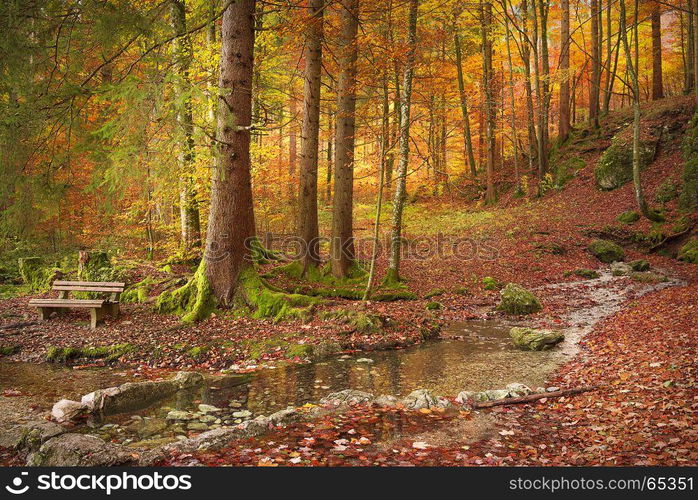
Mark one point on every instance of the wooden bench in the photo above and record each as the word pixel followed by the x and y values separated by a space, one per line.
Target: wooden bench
pixel 97 307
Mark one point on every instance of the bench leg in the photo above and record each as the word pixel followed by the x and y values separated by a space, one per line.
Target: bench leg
pixel 45 313
pixel 114 309
pixel 96 317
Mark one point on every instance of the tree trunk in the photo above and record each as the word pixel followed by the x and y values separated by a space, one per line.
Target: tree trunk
pixel 467 137
pixel 690 71
pixel 657 85
pixel 594 85
pixel 188 205
pixel 330 158
pixel 307 206
pixel 393 274
pixel 694 15
pixel 231 219
pixel 342 247
pixel 526 59
pixel 292 149
pixel 514 134
pixel 486 20
pixel 564 119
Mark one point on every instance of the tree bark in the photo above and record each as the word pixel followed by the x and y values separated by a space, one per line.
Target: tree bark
pixel 530 114
pixel 657 84
pixel 188 205
pixel 342 245
pixel 467 136
pixel 564 119
pixel 231 219
pixel 307 206
pixel 393 274
pixel 514 133
pixel 595 84
pixel 292 149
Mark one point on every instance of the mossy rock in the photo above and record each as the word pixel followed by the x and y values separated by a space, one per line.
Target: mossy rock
pixel 639 265
pixel 357 320
pixel 108 353
pixel 98 267
pixel 9 350
pixel 490 283
pixel 615 167
pixel 435 293
pixel 517 300
pixel 648 277
pixel 588 274
pixel 299 351
pixel 606 251
pixel 535 339
pixel 197 352
pixel 433 306
pixel 667 191
pixel 689 252
pixel 628 217
pixel 37 274
pixel 138 293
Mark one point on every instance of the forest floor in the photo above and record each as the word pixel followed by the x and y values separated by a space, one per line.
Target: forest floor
pixel 642 358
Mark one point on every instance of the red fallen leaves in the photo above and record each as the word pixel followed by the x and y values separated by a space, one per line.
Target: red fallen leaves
pixel 11 393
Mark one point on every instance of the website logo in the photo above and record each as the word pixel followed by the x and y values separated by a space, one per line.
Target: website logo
pixel 16 488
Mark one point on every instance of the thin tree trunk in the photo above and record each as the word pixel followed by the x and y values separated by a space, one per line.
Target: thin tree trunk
pixel 486 21
pixel 342 247
pixel 530 114
pixel 307 203
pixel 393 274
pixel 188 204
pixel 595 84
pixel 292 149
pixel 512 96
pixel 564 121
pixel 657 84
pixel 467 136
pixel 609 56
pixel 231 218
pixel 330 157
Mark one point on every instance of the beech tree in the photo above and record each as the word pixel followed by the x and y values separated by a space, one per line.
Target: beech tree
pixel 657 84
pixel 564 118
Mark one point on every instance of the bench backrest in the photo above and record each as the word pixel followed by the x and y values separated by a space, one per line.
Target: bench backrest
pixel 112 287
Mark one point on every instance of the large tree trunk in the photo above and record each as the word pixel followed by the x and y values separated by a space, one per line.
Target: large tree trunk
pixel 514 133
pixel 486 21
pixel 467 136
pixel 564 119
pixel 307 206
pixel 657 85
pixel 393 274
pixel 342 247
pixel 595 84
pixel 231 219
pixel 188 204
pixel 526 60
pixel 689 76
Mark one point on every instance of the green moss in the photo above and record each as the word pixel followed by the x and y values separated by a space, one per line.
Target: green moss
pixel 435 293
pixel 680 225
pixel 108 353
pixel 615 167
pixel 260 254
pixel 628 217
pixel 565 170
pixel 606 251
pixel 667 191
pixel 461 290
pixel 9 350
pixel 433 306
pixel 193 302
pixel 518 300
pixel 586 273
pixel 490 283
pixel 648 277
pixel 357 320
pixel 270 303
pixel 689 252
pixel 639 265
pixel 197 352
pixel 139 292
pixel 299 351
pixel 36 274
pixel 12 291
pixel 98 268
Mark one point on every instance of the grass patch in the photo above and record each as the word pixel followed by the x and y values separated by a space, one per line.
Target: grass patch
pixel 358 321
pixel 109 353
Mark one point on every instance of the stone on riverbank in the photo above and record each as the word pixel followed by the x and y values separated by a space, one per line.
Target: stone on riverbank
pixel 347 397
pixel 621 269
pixel 606 251
pixel 517 300
pixel 66 410
pixel 535 339
pixel 424 399
pixel 82 450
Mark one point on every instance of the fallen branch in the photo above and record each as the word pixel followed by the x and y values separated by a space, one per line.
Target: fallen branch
pixel 15 326
pixel 533 397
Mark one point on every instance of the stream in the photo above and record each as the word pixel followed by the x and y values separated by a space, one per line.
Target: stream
pixel 473 355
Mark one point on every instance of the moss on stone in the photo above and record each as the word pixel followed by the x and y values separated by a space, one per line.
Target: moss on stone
pixel 689 252
pixel 490 283
pixel 628 217
pixel 648 277
pixel 615 167
pixel 139 292
pixel 639 265
pixel 197 352
pixel 433 306
pixel 667 191
pixel 435 293
pixel 689 194
pixel 586 273
pixel 518 300
pixel 299 351
pixel 606 251
pixel 108 353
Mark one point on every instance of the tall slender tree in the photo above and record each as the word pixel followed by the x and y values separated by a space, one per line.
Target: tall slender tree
pixel 393 274
pixel 307 199
pixel 657 83
pixel 467 136
pixel 342 244
pixel 489 112
pixel 564 116
pixel 188 204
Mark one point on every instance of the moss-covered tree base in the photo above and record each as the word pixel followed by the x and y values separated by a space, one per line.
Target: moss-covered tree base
pixel 193 302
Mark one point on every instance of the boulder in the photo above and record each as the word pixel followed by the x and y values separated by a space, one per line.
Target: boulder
pixel 517 390
pixel 606 251
pixel 640 265
pixel 186 380
pixel 517 300
pixel 386 400
pixel 615 166
pixel 535 339
pixel 284 417
pixel 130 396
pixel 347 397
pixel 621 269
pixel 84 450
pixel 204 408
pixel 30 436
pixel 66 410
pixel 150 427
pixel 180 415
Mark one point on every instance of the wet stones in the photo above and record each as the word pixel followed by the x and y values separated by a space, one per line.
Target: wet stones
pixel 621 269
pixel 347 397
pixel 79 450
pixel 66 410
pixel 513 390
pixel 423 399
